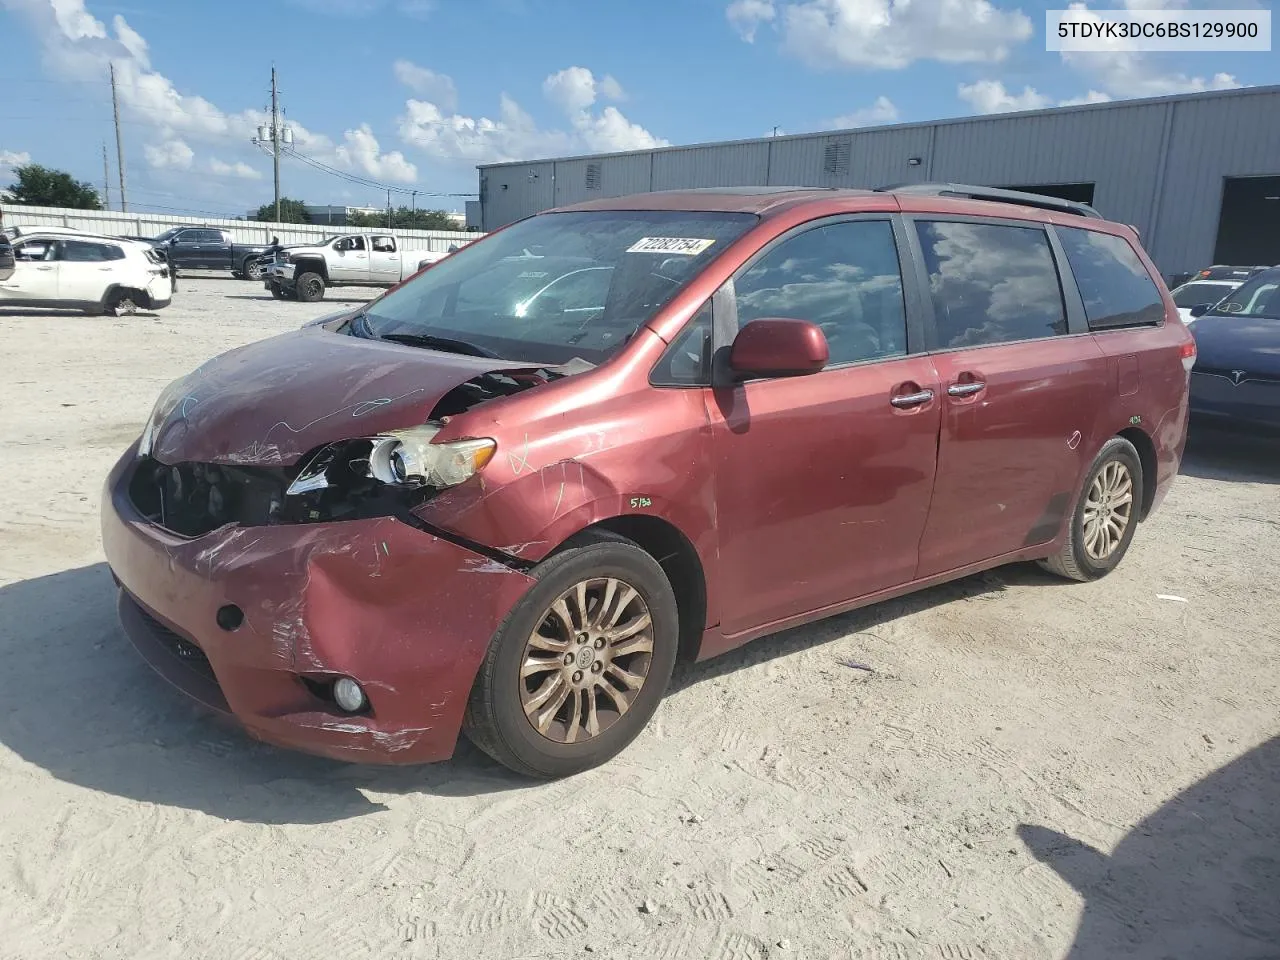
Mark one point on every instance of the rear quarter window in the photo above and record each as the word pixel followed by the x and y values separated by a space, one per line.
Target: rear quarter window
pixel 1115 286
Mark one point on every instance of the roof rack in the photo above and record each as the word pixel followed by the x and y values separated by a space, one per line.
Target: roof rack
pixel 968 192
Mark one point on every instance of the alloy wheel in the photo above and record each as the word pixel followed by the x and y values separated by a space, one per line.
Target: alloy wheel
pixel 1108 510
pixel 586 661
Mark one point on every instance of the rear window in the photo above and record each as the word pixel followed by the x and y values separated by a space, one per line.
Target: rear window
pixel 1115 286
pixel 991 283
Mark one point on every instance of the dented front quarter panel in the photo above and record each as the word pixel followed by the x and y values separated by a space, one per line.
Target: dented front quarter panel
pixel 407 614
pixel 573 453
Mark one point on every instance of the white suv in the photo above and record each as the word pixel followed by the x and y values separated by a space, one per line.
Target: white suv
pixel 85 272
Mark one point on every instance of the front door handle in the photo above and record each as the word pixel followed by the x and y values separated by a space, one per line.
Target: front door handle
pixel 912 399
pixel 965 389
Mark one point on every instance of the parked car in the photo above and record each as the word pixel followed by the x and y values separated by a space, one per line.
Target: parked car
pixel 1201 293
pixel 440 512
pixel 210 248
pixel 6 257
pixel 1236 379
pixel 1222 272
pixel 85 272
pixel 354 260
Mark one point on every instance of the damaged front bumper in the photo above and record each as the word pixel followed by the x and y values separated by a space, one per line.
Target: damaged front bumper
pixel 258 621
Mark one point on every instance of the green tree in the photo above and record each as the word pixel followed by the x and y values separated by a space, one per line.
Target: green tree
pixel 291 211
pixel 39 186
pixel 403 218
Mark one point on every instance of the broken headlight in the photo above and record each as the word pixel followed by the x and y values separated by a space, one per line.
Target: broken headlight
pixel 164 405
pixel 398 458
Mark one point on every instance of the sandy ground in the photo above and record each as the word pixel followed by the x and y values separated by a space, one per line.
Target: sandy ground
pixel 883 785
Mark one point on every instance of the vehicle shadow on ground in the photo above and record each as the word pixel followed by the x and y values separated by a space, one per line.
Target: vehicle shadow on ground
pixel 976 588
pixel 1200 877
pixel 78 702
pixel 1217 455
pixel 25 313
pixel 329 298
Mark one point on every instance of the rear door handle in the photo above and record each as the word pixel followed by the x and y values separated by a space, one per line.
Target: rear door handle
pixel 912 399
pixel 44 268
pixel 965 389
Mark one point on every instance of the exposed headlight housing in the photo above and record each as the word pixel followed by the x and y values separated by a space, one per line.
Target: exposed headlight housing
pixel 407 458
pixel 164 405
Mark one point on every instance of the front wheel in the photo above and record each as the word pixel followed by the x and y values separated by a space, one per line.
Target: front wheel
pixel 1106 516
pixel 580 664
pixel 309 287
pixel 252 270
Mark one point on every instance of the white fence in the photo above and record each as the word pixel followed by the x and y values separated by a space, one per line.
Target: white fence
pixel 114 224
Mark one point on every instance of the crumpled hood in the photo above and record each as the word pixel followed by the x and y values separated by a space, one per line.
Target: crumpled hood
pixel 271 402
pixel 1238 343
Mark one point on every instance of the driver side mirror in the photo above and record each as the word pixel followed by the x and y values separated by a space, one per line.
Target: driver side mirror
pixel 1200 309
pixel 777 347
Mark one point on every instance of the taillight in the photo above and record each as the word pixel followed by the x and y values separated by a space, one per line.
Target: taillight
pixel 1188 353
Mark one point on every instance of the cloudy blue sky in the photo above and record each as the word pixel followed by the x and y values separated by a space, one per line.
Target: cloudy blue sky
pixel 414 93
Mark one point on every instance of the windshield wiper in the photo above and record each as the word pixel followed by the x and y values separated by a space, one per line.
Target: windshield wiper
pixel 444 344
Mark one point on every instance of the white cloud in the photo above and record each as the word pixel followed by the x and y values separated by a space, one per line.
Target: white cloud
pixel 239 170
pixel 882 111
pixel 990 96
pixel 13 158
pixel 515 135
pixel 746 16
pixel 435 87
pixel 361 152
pixel 1093 96
pixel 169 155
pixel 886 34
pixel 1122 72
pixel 78 46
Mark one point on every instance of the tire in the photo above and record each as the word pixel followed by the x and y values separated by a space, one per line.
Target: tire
pixel 124 304
pixel 1083 556
pixel 496 719
pixel 309 287
pixel 251 269
pixel 277 291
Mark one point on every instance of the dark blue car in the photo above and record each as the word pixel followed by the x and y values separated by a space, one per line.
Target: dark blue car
pixel 1236 379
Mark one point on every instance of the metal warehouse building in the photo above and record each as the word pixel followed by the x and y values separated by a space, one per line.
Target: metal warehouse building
pixel 1198 175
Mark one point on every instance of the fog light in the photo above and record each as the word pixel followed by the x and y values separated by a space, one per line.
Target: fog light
pixel 348 695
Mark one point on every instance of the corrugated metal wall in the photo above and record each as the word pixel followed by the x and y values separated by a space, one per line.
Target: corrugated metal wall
pixel 1158 165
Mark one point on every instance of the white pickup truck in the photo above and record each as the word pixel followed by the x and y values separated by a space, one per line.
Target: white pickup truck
pixel 352 260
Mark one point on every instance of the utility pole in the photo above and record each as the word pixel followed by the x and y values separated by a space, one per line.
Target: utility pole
pixel 106 179
pixel 115 107
pixel 275 137
pixel 415 209
pixel 388 209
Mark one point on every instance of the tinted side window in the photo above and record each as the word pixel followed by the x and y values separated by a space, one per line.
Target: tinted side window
pixel 80 251
pixel 1115 286
pixel 188 236
pixel 687 361
pixel 844 277
pixel 991 283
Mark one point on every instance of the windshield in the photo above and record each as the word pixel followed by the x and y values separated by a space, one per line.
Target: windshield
pixel 1260 297
pixel 1194 294
pixel 558 286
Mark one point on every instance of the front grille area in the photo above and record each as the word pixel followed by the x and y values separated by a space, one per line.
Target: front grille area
pixel 179 646
pixel 192 499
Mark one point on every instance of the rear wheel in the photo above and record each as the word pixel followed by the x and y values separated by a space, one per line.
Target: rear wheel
pixel 1106 515
pixel 580 664
pixel 309 287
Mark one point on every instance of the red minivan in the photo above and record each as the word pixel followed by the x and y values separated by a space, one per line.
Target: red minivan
pixel 507 496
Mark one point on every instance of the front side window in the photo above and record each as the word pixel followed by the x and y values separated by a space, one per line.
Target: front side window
pixel 844 277
pixel 350 243
pixel 1115 286
pixel 557 286
pixel 991 283
pixel 1259 298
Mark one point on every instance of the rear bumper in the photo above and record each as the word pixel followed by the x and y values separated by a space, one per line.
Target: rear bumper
pixel 406 614
pixel 1249 404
